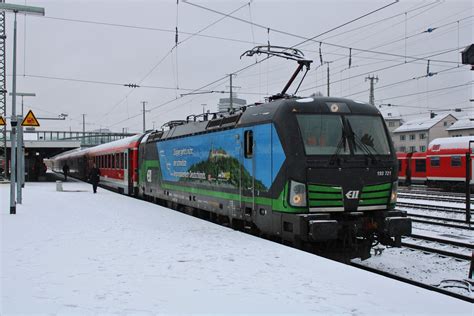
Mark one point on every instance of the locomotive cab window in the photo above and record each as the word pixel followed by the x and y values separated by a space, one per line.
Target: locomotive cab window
pixel 368 135
pixel 248 144
pixel 456 161
pixel 344 135
pixel 322 134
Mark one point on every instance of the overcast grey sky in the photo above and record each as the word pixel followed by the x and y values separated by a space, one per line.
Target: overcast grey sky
pixel 92 48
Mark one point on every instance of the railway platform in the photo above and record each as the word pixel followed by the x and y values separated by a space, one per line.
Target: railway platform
pixel 74 252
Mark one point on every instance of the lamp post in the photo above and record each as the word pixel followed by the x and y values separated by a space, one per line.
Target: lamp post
pixel 20 170
pixel 15 8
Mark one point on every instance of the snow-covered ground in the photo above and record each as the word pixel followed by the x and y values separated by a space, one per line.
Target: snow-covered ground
pixel 79 253
pixel 427 268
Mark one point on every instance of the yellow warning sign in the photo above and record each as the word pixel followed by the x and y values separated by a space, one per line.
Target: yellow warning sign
pixel 30 120
pixel 2 121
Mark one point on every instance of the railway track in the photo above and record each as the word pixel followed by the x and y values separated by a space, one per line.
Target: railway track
pixel 458 251
pixel 438 289
pixel 433 220
pixel 432 197
pixel 431 191
pixel 437 246
pixel 449 209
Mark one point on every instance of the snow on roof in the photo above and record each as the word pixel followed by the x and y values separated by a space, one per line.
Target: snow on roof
pixel 466 122
pixel 451 142
pixel 390 113
pixel 422 124
pixel 118 143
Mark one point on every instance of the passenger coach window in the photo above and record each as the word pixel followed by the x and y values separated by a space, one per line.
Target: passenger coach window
pixel 420 165
pixel 434 161
pixel 456 161
pixel 118 165
pixel 248 144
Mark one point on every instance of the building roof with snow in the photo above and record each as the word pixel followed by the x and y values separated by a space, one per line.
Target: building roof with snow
pixel 421 124
pixel 466 122
pixel 390 113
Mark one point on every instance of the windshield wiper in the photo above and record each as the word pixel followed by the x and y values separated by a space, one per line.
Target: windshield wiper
pixel 340 145
pixel 356 140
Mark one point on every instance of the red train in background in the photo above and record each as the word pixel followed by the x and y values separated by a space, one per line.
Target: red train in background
pixel 443 165
pixel 117 162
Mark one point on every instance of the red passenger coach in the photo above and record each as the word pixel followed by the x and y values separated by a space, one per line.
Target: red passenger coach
pixel 403 163
pixel 414 164
pixel 446 162
pixel 117 162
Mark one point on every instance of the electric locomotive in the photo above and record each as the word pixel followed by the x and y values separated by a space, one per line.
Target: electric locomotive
pixel 316 172
pixel 310 171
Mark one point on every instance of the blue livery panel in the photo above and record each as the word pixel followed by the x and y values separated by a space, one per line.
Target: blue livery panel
pixel 217 158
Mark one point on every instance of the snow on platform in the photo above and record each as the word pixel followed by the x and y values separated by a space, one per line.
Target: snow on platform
pixel 78 253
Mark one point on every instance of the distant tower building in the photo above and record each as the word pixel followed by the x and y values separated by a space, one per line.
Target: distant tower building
pixel 224 103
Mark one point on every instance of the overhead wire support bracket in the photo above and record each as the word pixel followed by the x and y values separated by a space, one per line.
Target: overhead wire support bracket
pixel 131 85
pixel 287 53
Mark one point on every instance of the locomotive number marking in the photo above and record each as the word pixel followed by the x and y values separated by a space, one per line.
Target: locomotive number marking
pixel 384 173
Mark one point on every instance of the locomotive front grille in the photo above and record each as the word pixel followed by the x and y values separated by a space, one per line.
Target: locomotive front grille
pixel 377 194
pixel 325 198
pixel 330 198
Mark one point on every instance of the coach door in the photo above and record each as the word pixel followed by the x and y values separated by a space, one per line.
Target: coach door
pixel 247 175
pixel 129 171
pixel 125 171
pixel 472 169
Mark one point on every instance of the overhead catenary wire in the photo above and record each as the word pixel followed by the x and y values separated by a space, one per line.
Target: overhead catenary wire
pixel 428 91
pixel 377 21
pixel 240 70
pixel 314 37
pixel 164 58
pixel 131 91
pixel 400 82
pixel 155 29
pixel 375 70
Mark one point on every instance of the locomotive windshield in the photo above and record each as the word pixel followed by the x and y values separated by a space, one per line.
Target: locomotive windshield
pixel 343 135
pixel 322 134
pixel 369 134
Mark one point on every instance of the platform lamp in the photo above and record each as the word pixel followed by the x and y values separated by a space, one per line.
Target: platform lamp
pixel 20 150
pixel 16 8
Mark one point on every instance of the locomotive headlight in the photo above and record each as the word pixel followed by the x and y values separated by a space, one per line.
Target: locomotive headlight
pixel 297 194
pixel 393 196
